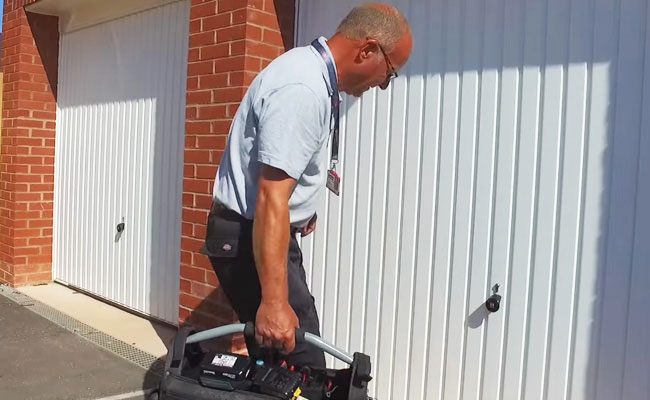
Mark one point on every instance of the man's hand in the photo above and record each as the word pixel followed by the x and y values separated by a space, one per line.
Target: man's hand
pixel 311 226
pixel 276 325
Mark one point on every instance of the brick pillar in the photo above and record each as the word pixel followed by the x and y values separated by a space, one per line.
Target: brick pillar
pixel 230 42
pixel 30 60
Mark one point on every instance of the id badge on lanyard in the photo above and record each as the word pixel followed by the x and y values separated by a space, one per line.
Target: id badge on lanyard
pixel 333 179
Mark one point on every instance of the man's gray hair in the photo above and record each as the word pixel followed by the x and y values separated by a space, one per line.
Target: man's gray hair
pixel 381 22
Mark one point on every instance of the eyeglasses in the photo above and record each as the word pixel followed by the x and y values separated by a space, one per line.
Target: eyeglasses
pixel 392 72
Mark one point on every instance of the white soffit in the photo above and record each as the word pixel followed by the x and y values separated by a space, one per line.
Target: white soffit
pixel 77 14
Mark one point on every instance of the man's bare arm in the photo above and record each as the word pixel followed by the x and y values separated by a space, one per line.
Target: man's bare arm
pixel 276 321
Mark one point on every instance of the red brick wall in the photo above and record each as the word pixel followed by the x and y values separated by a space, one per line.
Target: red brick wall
pixel 29 58
pixel 230 42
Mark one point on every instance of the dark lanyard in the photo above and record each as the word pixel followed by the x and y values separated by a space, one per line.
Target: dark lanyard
pixel 335 99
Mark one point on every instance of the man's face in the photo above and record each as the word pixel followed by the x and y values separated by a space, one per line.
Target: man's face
pixel 374 67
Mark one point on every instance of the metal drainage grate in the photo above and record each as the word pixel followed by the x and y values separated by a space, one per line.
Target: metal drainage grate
pixel 101 339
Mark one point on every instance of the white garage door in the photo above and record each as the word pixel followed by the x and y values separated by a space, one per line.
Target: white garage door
pixel 119 152
pixel 513 149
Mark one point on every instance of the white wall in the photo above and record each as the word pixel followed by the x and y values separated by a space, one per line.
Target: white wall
pixel 513 149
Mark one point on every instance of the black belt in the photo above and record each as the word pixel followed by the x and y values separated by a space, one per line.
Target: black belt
pixel 220 209
pixel 225 212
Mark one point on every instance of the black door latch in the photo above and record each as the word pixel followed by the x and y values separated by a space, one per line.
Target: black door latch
pixel 493 303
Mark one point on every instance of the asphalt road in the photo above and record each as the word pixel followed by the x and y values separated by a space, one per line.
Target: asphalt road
pixel 40 360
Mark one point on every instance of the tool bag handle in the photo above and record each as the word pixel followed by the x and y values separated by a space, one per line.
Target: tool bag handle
pixel 248 330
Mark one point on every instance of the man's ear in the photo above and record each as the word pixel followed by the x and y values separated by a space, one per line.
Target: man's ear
pixel 368 49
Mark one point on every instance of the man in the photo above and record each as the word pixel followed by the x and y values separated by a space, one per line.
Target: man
pixel 276 161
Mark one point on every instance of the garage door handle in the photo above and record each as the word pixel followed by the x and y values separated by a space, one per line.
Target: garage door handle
pixel 493 303
pixel 120 227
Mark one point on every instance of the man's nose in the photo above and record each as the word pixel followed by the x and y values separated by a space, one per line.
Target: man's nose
pixel 385 84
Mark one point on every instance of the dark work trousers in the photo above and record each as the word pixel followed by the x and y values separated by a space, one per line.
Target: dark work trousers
pixel 229 244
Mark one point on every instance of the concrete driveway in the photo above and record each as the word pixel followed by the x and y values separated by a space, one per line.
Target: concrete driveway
pixel 41 360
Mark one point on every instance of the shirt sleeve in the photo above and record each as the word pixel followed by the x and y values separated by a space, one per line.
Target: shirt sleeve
pixel 289 128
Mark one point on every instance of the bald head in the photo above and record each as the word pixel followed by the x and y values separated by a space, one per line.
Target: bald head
pixel 372 43
pixel 379 21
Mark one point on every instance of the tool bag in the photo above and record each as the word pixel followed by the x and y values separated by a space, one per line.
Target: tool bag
pixel 194 373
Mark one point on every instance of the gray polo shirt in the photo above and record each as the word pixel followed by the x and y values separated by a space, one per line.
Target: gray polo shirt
pixel 283 121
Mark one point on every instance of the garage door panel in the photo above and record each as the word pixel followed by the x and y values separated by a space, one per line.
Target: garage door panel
pixel 526 169
pixel 121 112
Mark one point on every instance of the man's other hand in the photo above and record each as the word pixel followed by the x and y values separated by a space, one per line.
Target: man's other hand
pixel 311 226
